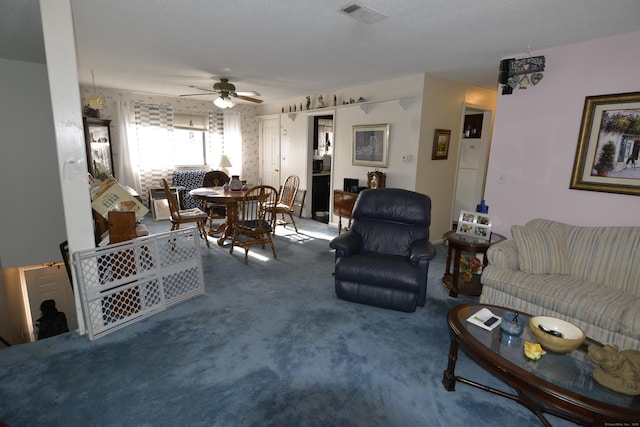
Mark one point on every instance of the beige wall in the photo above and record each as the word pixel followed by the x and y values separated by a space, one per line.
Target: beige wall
pixel 443 107
pixel 13 326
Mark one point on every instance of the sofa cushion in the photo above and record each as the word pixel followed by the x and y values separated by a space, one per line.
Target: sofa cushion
pixel 541 250
pixel 589 302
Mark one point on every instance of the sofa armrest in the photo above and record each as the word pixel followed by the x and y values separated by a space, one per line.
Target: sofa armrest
pixel 504 255
pixel 422 250
pixel 346 244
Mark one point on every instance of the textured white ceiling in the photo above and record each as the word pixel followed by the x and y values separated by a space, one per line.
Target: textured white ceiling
pixel 291 48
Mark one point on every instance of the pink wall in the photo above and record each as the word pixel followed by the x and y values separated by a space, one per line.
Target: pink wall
pixel 536 133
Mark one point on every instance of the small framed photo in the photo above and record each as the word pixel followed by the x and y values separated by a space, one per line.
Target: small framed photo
pixel 371 145
pixel 475 224
pixel 441 141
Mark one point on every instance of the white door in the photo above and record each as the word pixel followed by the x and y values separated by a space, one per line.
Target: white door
pixel 50 282
pixel 271 152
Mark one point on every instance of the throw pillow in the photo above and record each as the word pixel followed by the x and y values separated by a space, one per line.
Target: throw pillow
pixel 541 250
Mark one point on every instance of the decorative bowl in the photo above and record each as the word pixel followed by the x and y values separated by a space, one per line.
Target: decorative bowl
pixel 556 334
pixel 511 323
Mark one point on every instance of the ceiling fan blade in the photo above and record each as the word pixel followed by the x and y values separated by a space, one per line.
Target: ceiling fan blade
pixel 198 94
pixel 248 98
pixel 204 89
pixel 247 93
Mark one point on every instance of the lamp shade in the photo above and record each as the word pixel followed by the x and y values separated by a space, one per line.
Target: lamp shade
pixel 223 102
pixel 224 162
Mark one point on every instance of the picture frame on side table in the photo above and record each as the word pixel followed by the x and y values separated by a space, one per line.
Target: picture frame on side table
pixel 475 224
pixel 441 140
pixel 609 145
pixel 371 145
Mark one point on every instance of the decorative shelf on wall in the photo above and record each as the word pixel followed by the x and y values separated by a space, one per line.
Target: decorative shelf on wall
pixel 364 106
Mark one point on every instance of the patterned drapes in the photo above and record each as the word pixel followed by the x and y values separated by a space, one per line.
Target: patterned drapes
pixel 215 140
pixel 155 148
pixel 154 135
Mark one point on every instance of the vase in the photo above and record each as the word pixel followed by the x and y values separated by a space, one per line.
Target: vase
pixel 235 184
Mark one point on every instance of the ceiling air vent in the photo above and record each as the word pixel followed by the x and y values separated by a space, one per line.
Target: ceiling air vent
pixel 362 14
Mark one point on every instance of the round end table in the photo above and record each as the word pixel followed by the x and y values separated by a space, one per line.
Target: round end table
pixel 457 244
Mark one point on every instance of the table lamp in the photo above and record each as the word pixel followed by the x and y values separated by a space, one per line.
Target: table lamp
pixel 224 164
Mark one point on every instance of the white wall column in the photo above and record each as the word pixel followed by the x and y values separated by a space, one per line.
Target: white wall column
pixel 60 48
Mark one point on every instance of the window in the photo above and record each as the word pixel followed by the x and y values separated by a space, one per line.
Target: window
pixel 189 147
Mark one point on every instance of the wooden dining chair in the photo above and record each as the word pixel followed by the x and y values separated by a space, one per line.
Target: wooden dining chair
pixel 216 210
pixel 286 203
pixel 185 216
pixel 254 226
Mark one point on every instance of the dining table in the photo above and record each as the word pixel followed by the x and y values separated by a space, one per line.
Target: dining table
pixel 230 198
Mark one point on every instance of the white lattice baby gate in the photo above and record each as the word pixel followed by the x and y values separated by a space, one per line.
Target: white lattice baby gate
pixel 125 282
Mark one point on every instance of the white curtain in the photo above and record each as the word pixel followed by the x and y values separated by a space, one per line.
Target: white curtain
pixel 126 168
pixel 232 146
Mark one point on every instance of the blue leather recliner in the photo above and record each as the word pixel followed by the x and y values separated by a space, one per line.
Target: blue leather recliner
pixel 383 260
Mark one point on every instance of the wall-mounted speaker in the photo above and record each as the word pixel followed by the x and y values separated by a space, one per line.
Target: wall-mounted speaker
pixel 505 66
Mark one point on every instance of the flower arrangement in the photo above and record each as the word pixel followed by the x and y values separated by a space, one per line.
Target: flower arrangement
pixel 469 268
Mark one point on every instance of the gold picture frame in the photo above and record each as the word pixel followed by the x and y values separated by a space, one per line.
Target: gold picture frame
pixel 441 141
pixel 371 145
pixel 609 145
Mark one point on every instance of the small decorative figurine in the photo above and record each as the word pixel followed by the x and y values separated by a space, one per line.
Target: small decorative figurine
pixel 618 370
pixel 308 102
pixel 533 351
pixel 335 100
pixel 320 102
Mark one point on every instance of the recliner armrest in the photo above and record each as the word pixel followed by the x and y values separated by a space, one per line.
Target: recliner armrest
pixel 346 244
pixel 422 250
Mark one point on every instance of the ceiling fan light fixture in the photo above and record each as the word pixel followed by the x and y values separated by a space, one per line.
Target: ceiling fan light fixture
pixel 223 102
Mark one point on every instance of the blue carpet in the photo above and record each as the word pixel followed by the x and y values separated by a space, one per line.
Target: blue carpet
pixel 269 344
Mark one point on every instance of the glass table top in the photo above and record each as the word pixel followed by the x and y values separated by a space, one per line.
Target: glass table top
pixel 570 371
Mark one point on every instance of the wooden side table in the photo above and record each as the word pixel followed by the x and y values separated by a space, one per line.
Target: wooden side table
pixel 343 202
pixel 458 243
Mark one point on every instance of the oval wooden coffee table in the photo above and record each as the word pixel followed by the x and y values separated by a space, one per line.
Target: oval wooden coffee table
pixel 557 384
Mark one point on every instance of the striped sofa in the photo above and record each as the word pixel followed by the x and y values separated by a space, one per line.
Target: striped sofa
pixel 589 276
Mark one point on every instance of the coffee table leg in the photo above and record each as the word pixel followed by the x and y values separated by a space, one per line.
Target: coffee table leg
pixel 449 376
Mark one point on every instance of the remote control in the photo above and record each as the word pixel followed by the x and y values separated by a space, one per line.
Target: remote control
pixel 491 321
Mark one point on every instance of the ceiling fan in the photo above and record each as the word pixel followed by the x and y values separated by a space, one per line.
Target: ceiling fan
pixel 226 91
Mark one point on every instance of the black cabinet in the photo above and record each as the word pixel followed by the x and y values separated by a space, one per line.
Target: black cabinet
pixel 473 125
pixel 97 135
pixel 320 197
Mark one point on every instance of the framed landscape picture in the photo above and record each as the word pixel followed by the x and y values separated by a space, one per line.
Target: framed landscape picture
pixel 371 145
pixel 441 140
pixel 609 145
